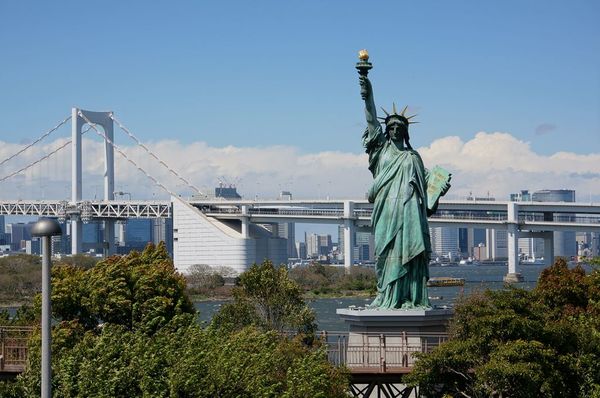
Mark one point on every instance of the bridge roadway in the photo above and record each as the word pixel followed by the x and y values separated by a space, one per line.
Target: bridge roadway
pixel 520 219
pixel 532 216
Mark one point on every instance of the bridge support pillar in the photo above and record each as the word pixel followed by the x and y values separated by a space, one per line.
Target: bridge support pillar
pixel 513 238
pixel 120 238
pixel 104 120
pixel 245 222
pixel 549 248
pixel 109 238
pixel 349 234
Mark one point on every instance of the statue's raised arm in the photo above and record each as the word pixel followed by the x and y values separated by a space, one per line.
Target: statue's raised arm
pixel 366 92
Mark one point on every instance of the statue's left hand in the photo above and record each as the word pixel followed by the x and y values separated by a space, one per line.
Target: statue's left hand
pixel 446 188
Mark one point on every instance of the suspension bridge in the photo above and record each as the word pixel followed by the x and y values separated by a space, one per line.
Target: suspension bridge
pixel 220 232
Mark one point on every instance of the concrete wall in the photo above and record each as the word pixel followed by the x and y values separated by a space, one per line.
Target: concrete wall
pixel 198 239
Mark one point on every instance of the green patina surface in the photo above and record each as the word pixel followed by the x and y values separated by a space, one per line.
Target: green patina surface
pixel 404 193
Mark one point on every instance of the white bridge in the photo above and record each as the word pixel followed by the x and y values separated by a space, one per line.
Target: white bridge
pixel 520 219
pixel 87 210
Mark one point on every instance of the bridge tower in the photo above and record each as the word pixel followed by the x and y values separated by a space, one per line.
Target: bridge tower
pixel 104 120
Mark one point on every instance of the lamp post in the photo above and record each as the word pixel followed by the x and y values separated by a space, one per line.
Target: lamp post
pixel 46 228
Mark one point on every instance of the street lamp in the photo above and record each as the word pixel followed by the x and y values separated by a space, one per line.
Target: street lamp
pixel 45 229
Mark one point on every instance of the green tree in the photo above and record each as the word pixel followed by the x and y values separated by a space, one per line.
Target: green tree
pixel 266 297
pixel 154 346
pixel 139 290
pixel 517 343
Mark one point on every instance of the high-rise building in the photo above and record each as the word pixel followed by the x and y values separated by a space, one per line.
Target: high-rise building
pixel 523 196
pixel 553 195
pixel 33 246
pixel 138 233
pixel 497 244
pixel 317 245
pixel 301 249
pixel 465 243
pixel 225 192
pixel 444 241
pixel 365 242
pixel 92 237
pixel 364 245
pixel 4 238
pixel 288 231
pixel 19 233
pixel 162 231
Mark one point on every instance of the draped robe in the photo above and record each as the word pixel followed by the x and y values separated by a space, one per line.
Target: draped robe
pixel 399 220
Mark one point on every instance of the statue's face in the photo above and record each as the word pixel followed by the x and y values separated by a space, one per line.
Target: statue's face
pixel 397 130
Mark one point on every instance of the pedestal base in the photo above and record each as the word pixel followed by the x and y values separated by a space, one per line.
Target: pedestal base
pixel 513 278
pixel 396 321
pixel 387 339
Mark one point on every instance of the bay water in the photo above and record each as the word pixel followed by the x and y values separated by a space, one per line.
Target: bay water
pixel 477 278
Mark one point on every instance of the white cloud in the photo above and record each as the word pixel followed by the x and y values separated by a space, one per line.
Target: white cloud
pixel 497 163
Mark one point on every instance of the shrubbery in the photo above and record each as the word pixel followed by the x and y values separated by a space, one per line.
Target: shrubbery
pixel 321 279
pixel 127 329
pixel 518 343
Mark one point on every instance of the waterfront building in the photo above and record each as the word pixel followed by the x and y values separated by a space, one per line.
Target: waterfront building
pixel 301 250
pixel 497 244
pixel 523 196
pixel 4 237
pixel 93 237
pixel 444 242
pixel 198 239
pixel 162 231
pixel 229 192
pixel 588 244
pixel 19 233
pixel 287 231
pixel 33 246
pixel 317 245
pixel 364 245
pixel 138 233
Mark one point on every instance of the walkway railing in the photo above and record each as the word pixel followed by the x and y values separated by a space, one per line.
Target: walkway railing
pixel 377 352
pixel 13 348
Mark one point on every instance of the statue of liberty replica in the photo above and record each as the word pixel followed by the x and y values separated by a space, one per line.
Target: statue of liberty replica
pixel 404 194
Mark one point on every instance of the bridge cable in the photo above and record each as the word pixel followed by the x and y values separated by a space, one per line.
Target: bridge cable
pixel 36 162
pixel 46 134
pixel 137 141
pixel 40 159
pixel 103 135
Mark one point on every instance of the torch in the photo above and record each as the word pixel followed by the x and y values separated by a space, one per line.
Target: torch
pixel 363 66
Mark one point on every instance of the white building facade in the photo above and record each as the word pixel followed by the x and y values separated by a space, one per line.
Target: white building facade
pixel 198 239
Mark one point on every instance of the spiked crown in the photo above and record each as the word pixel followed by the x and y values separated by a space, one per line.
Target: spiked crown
pixel 397 116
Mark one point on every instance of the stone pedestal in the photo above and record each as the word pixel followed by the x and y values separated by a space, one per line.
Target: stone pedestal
pixel 387 339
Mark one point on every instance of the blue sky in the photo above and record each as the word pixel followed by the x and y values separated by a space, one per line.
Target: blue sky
pixel 266 94
pixel 271 72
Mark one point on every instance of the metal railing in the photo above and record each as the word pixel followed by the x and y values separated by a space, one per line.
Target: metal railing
pixel 378 352
pixel 14 348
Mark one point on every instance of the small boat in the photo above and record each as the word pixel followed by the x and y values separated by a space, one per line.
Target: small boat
pixel 445 281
